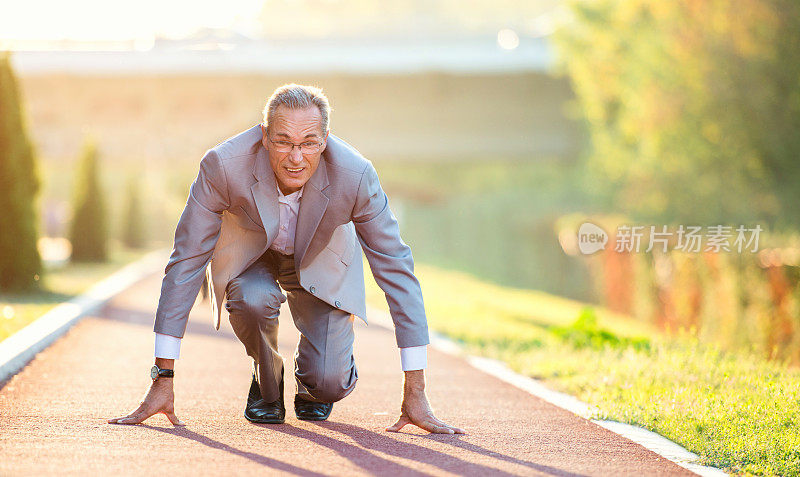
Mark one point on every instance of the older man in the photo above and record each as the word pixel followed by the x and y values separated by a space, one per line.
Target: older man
pixel 285 205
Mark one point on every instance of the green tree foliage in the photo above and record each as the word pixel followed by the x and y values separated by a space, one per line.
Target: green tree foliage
pixel 133 219
pixel 89 227
pixel 693 107
pixel 20 263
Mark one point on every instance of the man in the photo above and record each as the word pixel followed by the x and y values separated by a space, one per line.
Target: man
pixel 287 205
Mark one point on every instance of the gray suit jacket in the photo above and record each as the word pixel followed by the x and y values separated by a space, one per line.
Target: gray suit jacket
pixel 231 218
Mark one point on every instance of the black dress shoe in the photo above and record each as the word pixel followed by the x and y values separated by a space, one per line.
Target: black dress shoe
pixel 310 410
pixel 263 412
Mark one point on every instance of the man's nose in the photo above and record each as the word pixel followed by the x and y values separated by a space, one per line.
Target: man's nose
pixel 295 155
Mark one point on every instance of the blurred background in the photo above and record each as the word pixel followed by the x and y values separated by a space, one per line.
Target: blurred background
pixel 497 128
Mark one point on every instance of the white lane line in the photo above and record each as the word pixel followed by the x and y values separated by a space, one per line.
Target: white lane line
pixel 18 349
pixel 648 439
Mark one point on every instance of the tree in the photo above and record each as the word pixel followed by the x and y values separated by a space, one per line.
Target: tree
pixel 133 219
pixel 693 107
pixel 89 229
pixel 20 263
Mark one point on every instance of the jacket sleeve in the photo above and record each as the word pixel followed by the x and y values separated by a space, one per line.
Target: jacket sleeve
pixel 390 260
pixel 195 238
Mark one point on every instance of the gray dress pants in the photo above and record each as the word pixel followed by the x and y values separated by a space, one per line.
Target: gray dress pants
pixel 324 367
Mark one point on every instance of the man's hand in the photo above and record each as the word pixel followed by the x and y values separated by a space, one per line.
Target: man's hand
pixel 160 398
pixel 416 410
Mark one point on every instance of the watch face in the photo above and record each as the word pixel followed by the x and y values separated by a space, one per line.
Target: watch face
pixel 154 373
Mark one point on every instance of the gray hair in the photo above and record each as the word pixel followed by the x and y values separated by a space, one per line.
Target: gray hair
pixel 296 96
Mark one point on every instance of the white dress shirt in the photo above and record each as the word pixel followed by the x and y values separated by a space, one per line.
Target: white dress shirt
pixel 169 347
pixel 289 206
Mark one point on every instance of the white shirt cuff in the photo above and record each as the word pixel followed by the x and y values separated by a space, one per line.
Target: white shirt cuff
pixel 167 346
pixel 414 358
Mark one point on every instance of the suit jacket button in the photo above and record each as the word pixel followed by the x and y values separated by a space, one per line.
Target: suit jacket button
pixel 313 289
pixel 337 303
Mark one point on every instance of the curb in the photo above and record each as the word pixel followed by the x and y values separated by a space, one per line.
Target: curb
pixel 650 440
pixel 21 347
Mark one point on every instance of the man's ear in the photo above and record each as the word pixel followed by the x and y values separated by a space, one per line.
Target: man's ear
pixel 325 141
pixel 264 136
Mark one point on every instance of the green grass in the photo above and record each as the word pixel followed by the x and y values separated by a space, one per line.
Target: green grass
pixel 58 286
pixel 735 410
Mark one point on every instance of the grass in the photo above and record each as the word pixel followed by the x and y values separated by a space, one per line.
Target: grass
pixel 735 410
pixel 59 285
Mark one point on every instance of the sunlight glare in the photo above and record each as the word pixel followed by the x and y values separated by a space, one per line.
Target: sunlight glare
pixel 507 39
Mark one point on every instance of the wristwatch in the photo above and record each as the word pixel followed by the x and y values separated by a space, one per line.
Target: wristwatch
pixel 156 372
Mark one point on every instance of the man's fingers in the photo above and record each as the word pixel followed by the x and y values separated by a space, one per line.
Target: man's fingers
pixel 429 423
pixel 121 420
pixel 431 426
pixel 399 424
pixel 174 419
pixel 456 430
pixel 437 426
pixel 136 417
pixel 440 423
pixel 442 430
pixel 118 420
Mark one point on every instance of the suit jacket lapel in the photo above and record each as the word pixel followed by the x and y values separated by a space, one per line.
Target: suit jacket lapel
pixel 313 203
pixel 265 195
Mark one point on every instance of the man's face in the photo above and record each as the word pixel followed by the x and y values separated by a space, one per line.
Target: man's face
pixel 299 126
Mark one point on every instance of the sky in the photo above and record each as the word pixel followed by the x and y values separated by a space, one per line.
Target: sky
pixel 114 20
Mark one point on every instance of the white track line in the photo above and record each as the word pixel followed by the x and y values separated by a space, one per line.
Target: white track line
pixel 646 438
pixel 18 349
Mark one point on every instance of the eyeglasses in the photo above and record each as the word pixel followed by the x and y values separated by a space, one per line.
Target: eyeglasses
pixel 307 147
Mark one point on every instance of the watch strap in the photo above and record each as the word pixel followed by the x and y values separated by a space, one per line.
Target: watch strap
pixel 156 372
